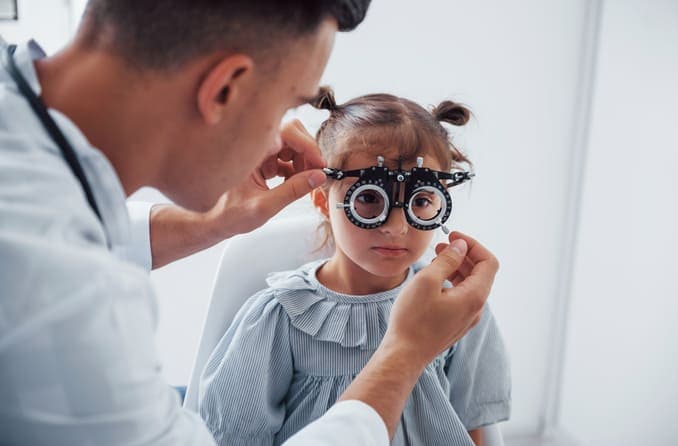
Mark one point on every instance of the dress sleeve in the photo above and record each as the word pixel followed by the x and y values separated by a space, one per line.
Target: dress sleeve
pixel 478 370
pixel 243 386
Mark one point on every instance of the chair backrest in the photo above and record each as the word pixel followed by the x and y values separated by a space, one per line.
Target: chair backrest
pixel 280 245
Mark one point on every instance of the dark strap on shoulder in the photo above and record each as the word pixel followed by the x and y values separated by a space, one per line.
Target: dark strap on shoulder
pixel 52 128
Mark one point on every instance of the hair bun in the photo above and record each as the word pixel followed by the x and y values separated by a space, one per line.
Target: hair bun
pixel 325 100
pixel 451 112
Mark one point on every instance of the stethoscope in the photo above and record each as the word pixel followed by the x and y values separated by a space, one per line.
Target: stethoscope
pixel 52 128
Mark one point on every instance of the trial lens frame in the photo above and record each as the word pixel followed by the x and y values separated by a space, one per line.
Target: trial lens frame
pixel 381 180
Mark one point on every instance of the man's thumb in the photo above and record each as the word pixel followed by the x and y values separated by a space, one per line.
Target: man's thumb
pixel 297 186
pixel 449 259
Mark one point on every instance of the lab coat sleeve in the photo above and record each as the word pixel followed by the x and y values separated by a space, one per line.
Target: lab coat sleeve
pixel 77 353
pixel 243 386
pixel 139 250
pixel 347 422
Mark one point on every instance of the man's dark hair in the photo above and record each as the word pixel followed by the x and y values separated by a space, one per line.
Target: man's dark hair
pixel 165 34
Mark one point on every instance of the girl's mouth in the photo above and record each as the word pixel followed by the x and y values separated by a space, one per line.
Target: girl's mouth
pixel 390 251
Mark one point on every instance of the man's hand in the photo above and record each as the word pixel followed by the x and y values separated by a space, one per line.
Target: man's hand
pixel 425 320
pixel 177 232
pixel 252 203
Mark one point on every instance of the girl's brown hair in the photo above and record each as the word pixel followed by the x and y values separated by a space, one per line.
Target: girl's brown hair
pixel 377 123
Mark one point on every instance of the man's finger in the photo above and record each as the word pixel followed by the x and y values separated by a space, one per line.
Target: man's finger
pixel 295 137
pixel 448 259
pixel 285 170
pixel 457 279
pixel 476 251
pixel 481 278
pixel 293 188
pixel 269 167
pixel 299 162
pixel 287 154
pixel 462 272
pixel 468 303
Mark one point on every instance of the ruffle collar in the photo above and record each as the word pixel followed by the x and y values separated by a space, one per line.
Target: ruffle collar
pixel 352 321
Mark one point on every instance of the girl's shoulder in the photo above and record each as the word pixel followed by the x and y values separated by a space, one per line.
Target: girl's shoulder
pixel 295 291
pixel 302 278
pixel 276 303
pixel 289 293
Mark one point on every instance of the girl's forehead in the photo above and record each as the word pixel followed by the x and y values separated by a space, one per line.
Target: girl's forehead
pixel 362 158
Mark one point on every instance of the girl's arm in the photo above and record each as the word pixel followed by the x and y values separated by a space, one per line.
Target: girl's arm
pixel 477 436
pixel 479 374
pixel 243 386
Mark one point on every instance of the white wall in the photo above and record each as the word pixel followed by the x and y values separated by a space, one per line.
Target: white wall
pixel 519 66
pixel 621 374
pixel 48 21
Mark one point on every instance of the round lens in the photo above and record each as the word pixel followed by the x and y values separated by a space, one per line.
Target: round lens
pixel 426 204
pixel 369 204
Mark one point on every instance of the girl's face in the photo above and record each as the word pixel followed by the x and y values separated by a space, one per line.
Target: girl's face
pixel 383 252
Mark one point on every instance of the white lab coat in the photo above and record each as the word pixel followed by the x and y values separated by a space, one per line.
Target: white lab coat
pixel 78 364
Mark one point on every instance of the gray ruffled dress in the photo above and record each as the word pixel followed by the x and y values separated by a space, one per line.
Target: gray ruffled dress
pixel 295 347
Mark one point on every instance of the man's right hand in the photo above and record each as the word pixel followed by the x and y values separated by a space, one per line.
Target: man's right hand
pixel 427 318
pixel 252 203
pixel 177 232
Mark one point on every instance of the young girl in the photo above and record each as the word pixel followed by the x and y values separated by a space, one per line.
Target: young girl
pixel 295 347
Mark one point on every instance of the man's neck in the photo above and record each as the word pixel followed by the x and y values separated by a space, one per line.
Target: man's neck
pixel 111 106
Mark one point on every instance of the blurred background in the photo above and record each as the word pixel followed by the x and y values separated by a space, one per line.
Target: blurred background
pixel 574 146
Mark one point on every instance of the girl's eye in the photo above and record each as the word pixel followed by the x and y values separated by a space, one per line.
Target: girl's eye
pixel 368 198
pixel 422 202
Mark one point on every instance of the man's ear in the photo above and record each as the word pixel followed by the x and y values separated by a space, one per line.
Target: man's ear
pixel 320 202
pixel 222 85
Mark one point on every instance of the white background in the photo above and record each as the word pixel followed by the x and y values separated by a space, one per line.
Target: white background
pixel 573 142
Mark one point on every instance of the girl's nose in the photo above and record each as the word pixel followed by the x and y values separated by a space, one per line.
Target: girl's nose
pixel 396 223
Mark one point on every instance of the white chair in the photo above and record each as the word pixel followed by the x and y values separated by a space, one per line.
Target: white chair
pixel 282 244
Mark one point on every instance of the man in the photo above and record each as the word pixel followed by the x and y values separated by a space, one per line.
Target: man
pixel 186 97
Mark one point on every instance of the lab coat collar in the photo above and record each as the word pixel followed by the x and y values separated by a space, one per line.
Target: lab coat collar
pixel 24 55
